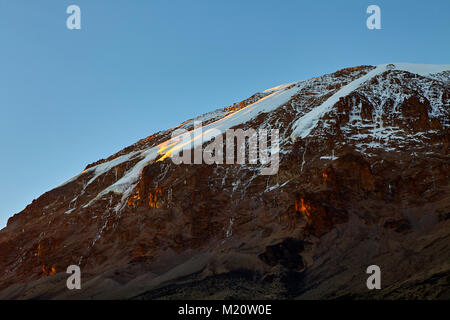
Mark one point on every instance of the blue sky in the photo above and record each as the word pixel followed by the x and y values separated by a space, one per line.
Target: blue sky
pixel 71 97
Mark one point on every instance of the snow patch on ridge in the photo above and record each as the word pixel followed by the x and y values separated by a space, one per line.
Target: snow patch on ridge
pixel 420 69
pixel 304 125
pixel 128 182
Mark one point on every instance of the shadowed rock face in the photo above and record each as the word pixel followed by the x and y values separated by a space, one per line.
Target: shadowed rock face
pixel 368 185
pixel 286 253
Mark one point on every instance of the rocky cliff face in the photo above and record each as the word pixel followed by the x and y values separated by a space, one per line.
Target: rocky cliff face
pixel 363 179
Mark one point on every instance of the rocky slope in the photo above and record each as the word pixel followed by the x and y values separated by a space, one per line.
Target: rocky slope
pixel 363 179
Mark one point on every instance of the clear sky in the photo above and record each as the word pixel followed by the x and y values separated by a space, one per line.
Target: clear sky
pixel 71 97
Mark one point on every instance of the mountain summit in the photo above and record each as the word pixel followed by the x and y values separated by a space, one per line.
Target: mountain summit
pixel 363 179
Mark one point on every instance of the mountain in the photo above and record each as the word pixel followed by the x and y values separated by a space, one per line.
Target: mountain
pixel 363 179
